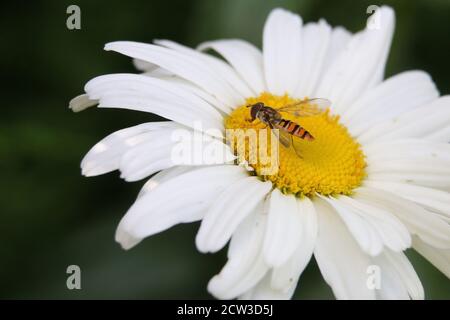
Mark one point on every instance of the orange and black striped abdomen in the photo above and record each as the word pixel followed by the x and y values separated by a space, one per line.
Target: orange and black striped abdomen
pixel 295 129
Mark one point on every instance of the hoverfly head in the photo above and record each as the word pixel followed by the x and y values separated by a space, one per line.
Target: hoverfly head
pixel 255 108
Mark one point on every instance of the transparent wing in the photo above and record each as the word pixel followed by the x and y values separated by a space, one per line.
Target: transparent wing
pixel 306 108
pixel 288 141
pixel 282 136
pixel 296 146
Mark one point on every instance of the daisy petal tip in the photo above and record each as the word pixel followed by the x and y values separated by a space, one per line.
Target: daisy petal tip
pixel 87 169
pixel 125 239
pixel 200 244
pixel 216 288
pixel 81 102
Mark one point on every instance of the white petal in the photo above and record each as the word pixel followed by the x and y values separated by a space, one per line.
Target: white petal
pixel 406 273
pixel 315 42
pixel 429 121
pixel 360 66
pixel 228 210
pixel 286 276
pixel 164 98
pixel 222 69
pixel 244 57
pixel 398 277
pixel 430 198
pixel 341 261
pixel 418 220
pixel 410 160
pixel 144 66
pixel 390 229
pixel 264 291
pixel 184 198
pixel 441 135
pixel 413 166
pixel 438 257
pixel 437 117
pixel 282 51
pixel 181 64
pixel 338 42
pixel 382 228
pixel 105 155
pixel 246 267
pixel 362 230
pixel 188 86
pixel 407 149
pixel 171 148
pixel 391 286
pixel 284 228
pixel 162 176
pixel 398 94
pixel 81 102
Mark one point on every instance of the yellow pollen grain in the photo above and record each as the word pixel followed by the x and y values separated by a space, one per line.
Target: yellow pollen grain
pixel 332 164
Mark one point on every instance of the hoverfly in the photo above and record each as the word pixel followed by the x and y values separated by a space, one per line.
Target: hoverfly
pixel 289 131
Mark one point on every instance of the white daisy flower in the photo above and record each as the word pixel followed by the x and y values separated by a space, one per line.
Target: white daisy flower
pixel 374 182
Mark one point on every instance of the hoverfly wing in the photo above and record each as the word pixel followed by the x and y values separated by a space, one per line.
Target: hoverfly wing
pixel 282 136
pixel 306 108
pixel 320 103
pixel 296 146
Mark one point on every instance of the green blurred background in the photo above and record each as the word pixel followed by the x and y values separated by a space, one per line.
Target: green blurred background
pixel 52 217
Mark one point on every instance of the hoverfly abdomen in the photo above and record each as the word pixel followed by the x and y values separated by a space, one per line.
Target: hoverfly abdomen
pixel 288 130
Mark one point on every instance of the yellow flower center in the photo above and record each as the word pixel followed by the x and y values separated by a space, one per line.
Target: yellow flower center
pixel 331 164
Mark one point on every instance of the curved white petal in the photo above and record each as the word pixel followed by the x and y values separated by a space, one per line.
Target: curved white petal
pixel 162 176
pixel 398 280
pixel 392 232
pixel 338 42
pixel 245 58
pixel 184 65
pixel 360 66
pixel 228 210
pixel 187 86
pixel 429 227
pixel 81 102
pixel 433 199
pixel 167 99
pixel 372 227
pixel 171 148
pixel 245 267
pixel 391 98
pixel 441 135
pixel 315 43
pixel 407 149
pixel 438 257
pixel 144 66
pixel 284 229
pixel 341 261
pixel 265 291
pixel 413 161
pixel 222 69
pixel 286 276
pixel 282 51
pixel 429 121
pixel 178 200
pixel 386 281
pixel 362 230
pixel 105 155
pixel 407 274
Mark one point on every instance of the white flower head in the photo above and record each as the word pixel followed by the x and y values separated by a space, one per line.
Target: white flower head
pixel 374 182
